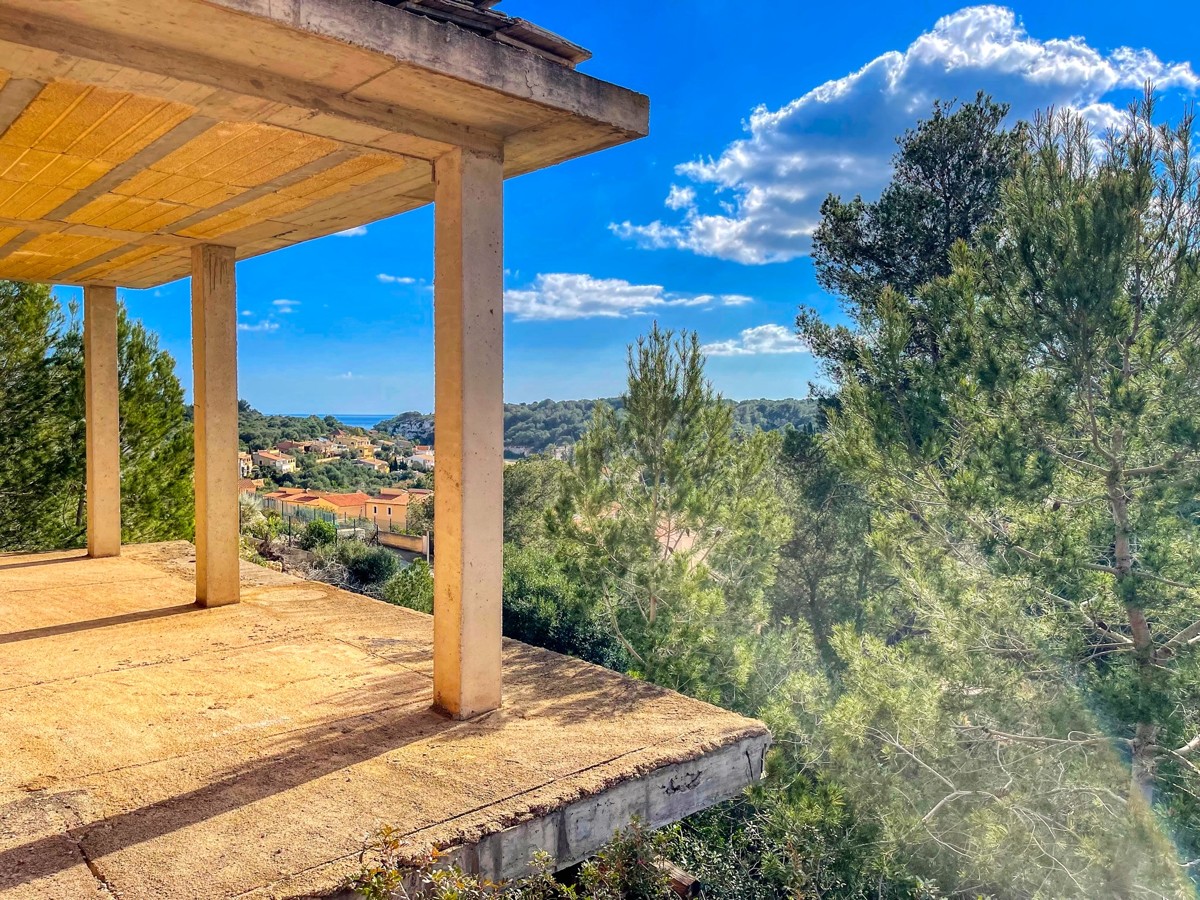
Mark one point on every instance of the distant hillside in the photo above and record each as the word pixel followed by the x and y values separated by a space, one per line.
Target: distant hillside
pixel 414 426
pixel 258 431
pixel 531 428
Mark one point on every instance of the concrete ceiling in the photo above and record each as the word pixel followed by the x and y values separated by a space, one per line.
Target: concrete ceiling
pixel 130 131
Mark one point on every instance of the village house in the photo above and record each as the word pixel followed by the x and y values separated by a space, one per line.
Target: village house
pixel 272 459
pixel 292 501
pixel 388 508
pixel 322 447
pixel 422 458
pixel 245 465
pixel 368 462
pixel 294 446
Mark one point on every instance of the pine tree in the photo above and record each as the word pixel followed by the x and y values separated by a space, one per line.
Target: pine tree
pixel 675 521
pixel 945 187
pixel 40 431
pixel 1036 486
pixel 42 441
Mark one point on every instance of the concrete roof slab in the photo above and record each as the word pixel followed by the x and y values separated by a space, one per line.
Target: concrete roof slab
pixel 131 130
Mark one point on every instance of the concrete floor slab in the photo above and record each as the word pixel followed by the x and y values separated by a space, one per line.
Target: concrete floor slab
pixel 152 750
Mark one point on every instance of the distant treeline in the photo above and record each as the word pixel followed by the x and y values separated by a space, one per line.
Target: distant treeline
pixel 258 431
pixel 531 428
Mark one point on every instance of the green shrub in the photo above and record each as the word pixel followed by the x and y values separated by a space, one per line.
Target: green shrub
pixel 627 867
pixel 624 869
pixel 411 587
pixel 317 533
pixel 365 565
pixel 546 608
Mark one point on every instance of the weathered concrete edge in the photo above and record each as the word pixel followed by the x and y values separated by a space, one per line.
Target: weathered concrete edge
pixel 575 832
pixel 452 51
pixel 581 828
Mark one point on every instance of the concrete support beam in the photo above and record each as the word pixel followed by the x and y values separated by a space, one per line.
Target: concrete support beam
pixel 214 357
pixel 469 400
pixel 102 420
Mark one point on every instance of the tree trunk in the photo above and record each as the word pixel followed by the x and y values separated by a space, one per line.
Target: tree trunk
pixel 1144 760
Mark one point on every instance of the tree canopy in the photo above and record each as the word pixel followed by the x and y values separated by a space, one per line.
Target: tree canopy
pixel 42 446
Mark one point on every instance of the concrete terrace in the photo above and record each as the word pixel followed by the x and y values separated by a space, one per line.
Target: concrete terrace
pixel 153 750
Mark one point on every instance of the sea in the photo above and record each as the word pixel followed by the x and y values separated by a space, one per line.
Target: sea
pixel 353 420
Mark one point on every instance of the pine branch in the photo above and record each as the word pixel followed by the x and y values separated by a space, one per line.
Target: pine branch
pixel 1174 460
pixel 1042 741
pixel 1188 636
pixel 1190 747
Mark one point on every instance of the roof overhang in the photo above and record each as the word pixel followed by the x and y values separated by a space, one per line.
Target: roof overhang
pixel 131 130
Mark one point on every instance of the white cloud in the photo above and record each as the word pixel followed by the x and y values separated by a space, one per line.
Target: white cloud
pixel 563 296
pixel 756 340
pixel 357 231
pixel 765 190
pixel 395 279
pixel 285 306
pixel 266 325
pixel 246 312
pixel 345 376
pixel 681 197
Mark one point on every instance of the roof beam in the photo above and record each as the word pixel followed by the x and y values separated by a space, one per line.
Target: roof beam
pixel 416 133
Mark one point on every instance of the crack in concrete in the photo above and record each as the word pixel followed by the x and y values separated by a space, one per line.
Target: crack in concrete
pixel 92 866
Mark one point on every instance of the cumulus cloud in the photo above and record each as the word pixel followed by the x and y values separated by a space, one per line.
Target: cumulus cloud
pixel 763 192
pixel 756 340
pixel 395 279
pixel 562 296
pixel 285 306
pixel 681 197
pixel 357 231
pixel 265 325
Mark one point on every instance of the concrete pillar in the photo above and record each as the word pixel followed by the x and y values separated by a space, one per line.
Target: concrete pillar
pixel 214 358
pixel 102 421
pixel 469 401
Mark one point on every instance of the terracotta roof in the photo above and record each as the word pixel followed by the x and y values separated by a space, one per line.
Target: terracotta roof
pixel 356 499
pixel 480 17
pixel 394 499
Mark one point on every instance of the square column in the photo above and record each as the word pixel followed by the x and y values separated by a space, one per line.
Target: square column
pixel 102 390
pixel 469 409
pixel 214 359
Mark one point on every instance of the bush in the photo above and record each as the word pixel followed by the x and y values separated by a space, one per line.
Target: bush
pixel 624 869
pixel 317 533
pixel 367 565
pixel 544 607
pixel 411 587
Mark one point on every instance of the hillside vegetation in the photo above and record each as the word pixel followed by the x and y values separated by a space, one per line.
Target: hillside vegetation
pixel 532 428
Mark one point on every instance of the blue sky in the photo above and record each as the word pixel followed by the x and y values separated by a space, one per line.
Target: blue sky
pixel 703 225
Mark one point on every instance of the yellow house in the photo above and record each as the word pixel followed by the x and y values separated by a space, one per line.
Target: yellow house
pixel 293 501
pixel 273 459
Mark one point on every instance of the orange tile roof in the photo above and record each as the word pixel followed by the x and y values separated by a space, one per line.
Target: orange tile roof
pixel 355 499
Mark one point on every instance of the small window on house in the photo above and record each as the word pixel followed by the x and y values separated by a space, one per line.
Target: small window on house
pixel 375 508
pixel 389 510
